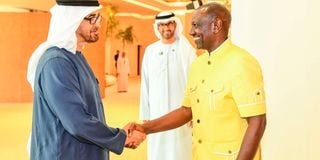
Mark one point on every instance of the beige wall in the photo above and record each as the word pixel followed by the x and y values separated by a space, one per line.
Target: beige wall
pixel 20 34
pixel 283 35
pixel 143 31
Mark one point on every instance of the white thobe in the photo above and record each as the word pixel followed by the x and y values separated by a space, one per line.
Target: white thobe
pixel 164 75
pixel 123 70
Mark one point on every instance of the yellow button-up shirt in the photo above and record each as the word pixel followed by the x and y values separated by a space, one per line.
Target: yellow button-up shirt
pixel 223 87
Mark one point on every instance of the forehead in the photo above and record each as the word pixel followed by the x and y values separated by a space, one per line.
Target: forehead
pixel 199 14
pixel 166 22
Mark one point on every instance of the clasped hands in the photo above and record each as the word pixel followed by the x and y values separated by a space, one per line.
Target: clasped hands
pixel 135 135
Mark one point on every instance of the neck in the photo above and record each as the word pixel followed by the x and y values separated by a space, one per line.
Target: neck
pixel 81 46
pixel 169 41
pixel 216 44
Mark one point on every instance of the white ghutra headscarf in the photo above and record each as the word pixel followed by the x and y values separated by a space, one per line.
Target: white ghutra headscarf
pixel 165 17
pixel 65 20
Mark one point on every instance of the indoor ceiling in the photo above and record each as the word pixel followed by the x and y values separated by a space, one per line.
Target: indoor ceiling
pixel 140 8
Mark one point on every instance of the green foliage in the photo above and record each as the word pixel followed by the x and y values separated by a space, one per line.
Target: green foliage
pixel 126 36
pixel 109 13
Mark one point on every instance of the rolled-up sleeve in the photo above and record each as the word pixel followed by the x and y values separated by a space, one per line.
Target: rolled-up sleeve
pixel 248 88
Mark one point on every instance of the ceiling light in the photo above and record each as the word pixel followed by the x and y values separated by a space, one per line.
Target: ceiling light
pixel 194 4
pixel 141 4
pixel 172 4
pixel 139 16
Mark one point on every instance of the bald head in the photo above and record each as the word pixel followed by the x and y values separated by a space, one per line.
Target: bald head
pixel 218 12
pixel 210 26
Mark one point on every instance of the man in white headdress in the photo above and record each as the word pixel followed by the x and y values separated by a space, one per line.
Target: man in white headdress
pixel 68 117
pixel 164 73
pixel 123 71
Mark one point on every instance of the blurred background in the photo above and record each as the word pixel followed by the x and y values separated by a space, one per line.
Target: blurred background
pixel 282 35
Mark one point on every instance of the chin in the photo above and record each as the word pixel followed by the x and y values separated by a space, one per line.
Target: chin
pixel 199 46
pixel 93 39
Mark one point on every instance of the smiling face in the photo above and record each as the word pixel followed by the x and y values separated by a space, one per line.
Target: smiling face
pixel 201 29
pixel 167 30
pixel 210 26
pixel 88 29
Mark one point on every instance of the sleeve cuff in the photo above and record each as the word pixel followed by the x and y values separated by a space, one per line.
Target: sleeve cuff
pixel 249 110
pixel 122 141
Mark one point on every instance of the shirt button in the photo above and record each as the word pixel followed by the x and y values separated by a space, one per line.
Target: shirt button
pixel 209 62
pixel 203 81
pixel 198 100
pixel 198 120
pixel 211 90
pixel 200 141
pixel 229 152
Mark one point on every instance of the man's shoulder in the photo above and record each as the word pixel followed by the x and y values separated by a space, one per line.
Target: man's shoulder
pixel 242 57
pixel 155 44
pixel 241 53
pixel 55 52
pixel 152 48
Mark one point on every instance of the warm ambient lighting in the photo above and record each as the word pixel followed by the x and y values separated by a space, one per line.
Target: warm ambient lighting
pixel 173 4
pixel 139 16
pixel 4 8
pixel 135 15
pixel 143 5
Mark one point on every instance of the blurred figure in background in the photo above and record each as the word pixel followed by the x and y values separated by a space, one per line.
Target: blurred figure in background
pixel 116 56
pixel 123 71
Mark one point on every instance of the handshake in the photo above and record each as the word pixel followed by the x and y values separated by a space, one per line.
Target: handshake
pixel 135 135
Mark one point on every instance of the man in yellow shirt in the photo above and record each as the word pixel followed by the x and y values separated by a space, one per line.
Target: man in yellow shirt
pixel 224 95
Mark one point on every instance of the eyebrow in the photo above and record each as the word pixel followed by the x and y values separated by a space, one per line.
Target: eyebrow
pixel 92 15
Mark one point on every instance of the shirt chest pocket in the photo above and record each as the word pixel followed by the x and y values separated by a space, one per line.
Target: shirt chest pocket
pixel 212 96
pixel 206 96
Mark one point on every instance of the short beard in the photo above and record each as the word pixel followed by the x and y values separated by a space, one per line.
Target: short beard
pixel 168 36
pixel 93 39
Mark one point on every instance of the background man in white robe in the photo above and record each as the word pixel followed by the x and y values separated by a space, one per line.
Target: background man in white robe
pixel 164 73
pixel 123 71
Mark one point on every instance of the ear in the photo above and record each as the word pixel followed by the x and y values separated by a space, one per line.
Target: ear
pixel 216 25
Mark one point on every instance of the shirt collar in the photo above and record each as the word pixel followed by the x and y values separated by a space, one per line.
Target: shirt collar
pixel 221 49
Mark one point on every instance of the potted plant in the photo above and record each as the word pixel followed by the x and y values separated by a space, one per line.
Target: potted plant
pixel 126 36
pixel 109 12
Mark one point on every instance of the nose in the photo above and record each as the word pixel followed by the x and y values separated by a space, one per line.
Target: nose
pixel 191 32
pixel 98 24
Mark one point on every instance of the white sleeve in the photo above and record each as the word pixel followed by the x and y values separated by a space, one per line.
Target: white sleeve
pixel 144 91
pixel 29 145
pixel 128 66
pixel 192 55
